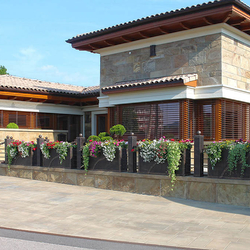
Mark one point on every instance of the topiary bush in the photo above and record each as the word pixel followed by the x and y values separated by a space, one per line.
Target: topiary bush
pixel 103 134
pixel 118 130
pixel 12 125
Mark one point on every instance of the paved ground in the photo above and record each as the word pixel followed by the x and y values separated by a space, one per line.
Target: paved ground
pixel 103 214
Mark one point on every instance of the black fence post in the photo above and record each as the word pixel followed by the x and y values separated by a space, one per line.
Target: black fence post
pixel 6 142
pixel 132 143
pixel 39 157
pixel 198 154
pixel 80 141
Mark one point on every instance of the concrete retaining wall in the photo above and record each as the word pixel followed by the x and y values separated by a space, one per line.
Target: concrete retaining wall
pixel 224 191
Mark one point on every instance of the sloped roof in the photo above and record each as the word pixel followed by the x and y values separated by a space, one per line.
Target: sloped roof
pixel 166 80
pixel 212 12
pixel 25 84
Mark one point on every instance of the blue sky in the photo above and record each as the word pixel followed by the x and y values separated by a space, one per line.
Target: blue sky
pixel 33 34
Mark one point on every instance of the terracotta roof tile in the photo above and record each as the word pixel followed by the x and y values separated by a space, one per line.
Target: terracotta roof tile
pixel 155 17
pixel 18 83
pixel 166 79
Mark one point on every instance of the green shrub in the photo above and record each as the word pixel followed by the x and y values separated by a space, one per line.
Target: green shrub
pixel 103 134
pixel 106 138
pixel 93 138
pixel 12 125
pixel 118 130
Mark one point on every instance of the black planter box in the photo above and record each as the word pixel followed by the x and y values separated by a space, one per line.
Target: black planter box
pixel 27 161
pixel 220 170
pixel 119 164
pixel 162 168
pixel 54 162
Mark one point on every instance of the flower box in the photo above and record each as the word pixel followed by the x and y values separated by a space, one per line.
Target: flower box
pixel 101 163
pixel 27 161
pixel 221 169
pixel 154 168
pixel 54 162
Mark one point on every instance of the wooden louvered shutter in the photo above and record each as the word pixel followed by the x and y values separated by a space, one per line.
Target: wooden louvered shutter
pixel 234 120
pixel 205 118
pixel 187 119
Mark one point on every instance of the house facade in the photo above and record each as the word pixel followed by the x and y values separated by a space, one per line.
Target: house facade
pixel 178 72
pixel 51 109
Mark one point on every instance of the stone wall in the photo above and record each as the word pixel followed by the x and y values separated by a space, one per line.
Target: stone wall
pixel 201 55
pixel 225 191
pixel 29 134
pixel 235 63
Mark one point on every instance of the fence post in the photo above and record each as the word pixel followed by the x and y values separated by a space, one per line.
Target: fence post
pixel 6 142
pixel 132 143
pixel 198 154
pixel 80 141
pixel 39 157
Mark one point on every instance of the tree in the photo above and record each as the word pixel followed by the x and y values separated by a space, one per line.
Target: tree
pixel 3 70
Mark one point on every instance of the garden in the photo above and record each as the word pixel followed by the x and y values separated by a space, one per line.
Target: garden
pixel 109 152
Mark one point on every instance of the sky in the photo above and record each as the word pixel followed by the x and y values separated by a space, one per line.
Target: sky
pixel 33 34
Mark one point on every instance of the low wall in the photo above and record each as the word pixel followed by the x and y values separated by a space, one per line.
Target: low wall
pixel 224 191
pixel 30 134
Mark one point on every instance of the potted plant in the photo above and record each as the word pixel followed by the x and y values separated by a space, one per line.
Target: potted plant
pixel 58 154
pixel 229 159
pixel 107 155
pixel 21 153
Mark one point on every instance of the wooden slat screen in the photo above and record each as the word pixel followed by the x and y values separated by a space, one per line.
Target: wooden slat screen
pixel 205 118
pixel 156 119
pixel 234 120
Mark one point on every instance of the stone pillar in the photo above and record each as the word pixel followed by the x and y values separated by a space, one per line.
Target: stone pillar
pixel 80 141
pixel 6 142
pixel 132 143
pixel 39 157
pixel 198 154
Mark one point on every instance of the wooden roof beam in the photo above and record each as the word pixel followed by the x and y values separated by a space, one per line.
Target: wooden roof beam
pixel 184 26
pixel 163 30
pixel 245 27
pixel 143 35
pixel 237 21
pixel 208 20
pixel 227 17
pixel 108 43
pixel 125 39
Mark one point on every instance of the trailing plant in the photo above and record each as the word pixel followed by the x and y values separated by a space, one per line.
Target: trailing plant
pixel 95 148
pixel 61 148
pixel 238 154
pixel 19 147
pixel 109 150
pixel 85 156
pixel 12 125
pixel 163 150
pixel 173 158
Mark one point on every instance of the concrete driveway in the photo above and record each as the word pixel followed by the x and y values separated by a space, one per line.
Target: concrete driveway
pixel 103 214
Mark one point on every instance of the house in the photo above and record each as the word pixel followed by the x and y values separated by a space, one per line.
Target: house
pixel 174 73
pixel 51 109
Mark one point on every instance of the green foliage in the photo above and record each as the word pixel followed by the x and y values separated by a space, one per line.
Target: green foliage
pixel 118 130
pixel 103 134
pixel 238 154
pixel 3 70
pixel 12 125
pixel 85 157
pixel 106 138
pixel 93 138
pixel 173 159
